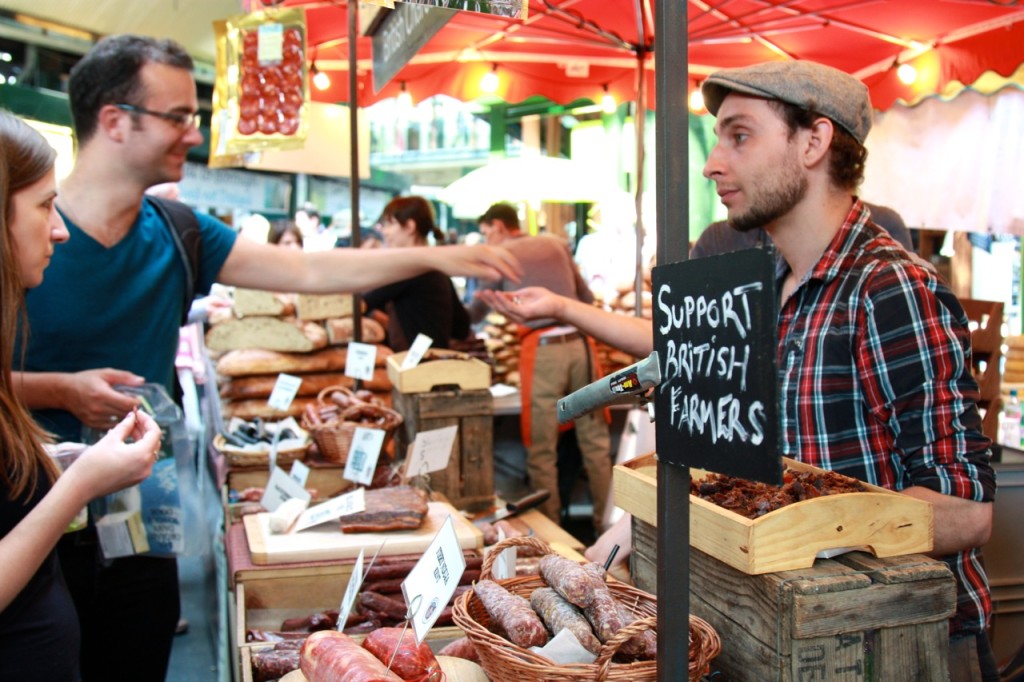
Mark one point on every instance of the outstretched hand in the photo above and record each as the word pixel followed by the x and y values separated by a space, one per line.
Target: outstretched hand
pixel 530 303
pixel 479 260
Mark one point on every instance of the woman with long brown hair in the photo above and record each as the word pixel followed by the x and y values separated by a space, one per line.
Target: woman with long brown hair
pixel 39 636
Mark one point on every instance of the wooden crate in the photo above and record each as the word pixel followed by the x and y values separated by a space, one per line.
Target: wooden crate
pixel 986 318
pixel 888 523
pixel 852 618
pixel 468 481
pixel 439 368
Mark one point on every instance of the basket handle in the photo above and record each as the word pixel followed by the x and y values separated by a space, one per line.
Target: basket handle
pixel 708 645
pixel 519 541
pixel 611 647
pixel 339 388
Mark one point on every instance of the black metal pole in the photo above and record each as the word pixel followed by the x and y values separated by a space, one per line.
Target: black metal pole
pixel 672 145
pixel 353 175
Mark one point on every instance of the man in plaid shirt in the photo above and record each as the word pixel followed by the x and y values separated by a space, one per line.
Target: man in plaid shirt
pixel 874 351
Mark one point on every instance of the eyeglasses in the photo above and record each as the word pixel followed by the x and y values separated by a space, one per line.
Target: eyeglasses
pixel 180 119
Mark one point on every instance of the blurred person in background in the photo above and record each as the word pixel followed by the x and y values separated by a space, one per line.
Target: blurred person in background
pixel 286 233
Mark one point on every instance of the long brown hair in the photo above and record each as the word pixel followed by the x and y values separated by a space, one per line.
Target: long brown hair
pixel 25 157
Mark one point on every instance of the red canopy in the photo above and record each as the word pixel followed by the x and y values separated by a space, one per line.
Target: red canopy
pixel 571 49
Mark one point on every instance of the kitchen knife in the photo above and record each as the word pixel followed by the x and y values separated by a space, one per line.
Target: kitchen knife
pixel 525 503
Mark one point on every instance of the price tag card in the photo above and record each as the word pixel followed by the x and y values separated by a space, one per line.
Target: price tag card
pixel 431 451
pixel 416 351
pixel 281 487
pixel 299 473
pixel 432 581
pixel 334 508
pixel 354 581
pixel 505 567
pixel 363 455
pixel 360 360
pixel 285 388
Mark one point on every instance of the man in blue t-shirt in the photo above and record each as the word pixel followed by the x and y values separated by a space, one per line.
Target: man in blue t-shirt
pixel 109 310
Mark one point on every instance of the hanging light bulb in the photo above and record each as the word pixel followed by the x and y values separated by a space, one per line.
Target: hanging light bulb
pixel 321 81
pixel 696 100
pixel 906 73
pixel 608 103
pixel 404 99
pixel 489 82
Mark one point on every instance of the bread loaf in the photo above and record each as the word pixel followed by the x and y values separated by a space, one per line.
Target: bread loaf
pixel 322 306
pixel 262 385
pixel 251 409
pixel 266 332
pixel 341 330
pixel 256 302
pixel 241 363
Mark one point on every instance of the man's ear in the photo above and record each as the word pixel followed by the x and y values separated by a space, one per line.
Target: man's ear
pixel 112 122
pixel 819 139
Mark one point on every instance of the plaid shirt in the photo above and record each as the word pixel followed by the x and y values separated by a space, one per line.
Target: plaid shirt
pixel 874 361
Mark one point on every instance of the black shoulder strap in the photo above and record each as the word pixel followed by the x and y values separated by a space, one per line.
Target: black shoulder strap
pixel 184 226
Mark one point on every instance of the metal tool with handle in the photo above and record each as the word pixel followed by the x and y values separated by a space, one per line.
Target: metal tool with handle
pixel 538 497
pixel 627 384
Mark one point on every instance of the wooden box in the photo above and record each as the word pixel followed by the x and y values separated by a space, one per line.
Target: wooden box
pixel 439 368
pixel 852 618
pixel 886 523
pixel 468 481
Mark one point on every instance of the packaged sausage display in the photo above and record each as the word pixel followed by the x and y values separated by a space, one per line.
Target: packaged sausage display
pixel 261 97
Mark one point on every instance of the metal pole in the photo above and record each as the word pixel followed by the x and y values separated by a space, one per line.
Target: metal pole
pixel 353 126
pixel 672 145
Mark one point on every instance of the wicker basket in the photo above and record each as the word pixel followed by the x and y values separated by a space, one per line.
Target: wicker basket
pixel 240 458
pixel 334 437
pixel 503 661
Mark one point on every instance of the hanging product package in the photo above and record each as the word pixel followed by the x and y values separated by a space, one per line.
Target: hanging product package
pixel 260 97
pixel 162 516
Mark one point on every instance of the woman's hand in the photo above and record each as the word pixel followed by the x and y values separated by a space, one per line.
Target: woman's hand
pixel 113 463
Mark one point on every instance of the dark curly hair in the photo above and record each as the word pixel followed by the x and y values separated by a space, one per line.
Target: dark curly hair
pixel 846 163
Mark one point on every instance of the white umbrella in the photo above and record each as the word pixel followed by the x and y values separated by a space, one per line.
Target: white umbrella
pixel 533 179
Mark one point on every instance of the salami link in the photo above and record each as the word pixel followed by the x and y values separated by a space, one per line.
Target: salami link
pixel 607 615
pixel 460 648
pixel 576 584
pixel 558 615
pixel 512 613
pixel 411 661
pixel 330 656
pixel 388 606
pixel 273 664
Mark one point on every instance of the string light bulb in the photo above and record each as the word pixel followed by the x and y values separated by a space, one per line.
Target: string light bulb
pixel 321 81
pixel 404 99
pixel 696 100
pixel 489 82
pixel 608 103
pixel 906 73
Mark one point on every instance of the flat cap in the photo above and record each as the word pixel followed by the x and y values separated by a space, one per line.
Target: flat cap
pixel 808 85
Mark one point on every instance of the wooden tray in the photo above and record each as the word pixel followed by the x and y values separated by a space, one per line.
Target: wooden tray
pixel 439 368
pixel 880 521
pixel 326 541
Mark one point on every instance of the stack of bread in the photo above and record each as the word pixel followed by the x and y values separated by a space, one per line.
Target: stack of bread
pixel 1013 370
pixel 304 335
pixel 502 343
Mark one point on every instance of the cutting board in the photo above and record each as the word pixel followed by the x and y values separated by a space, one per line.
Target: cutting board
pixel 326 541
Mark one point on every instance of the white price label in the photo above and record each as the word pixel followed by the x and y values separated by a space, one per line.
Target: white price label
pixel 505 567
pixel 270 46
pixel 363 455
pixel 285 388
pixel 334 508
pixel 431 451
pixel 416 351
pixel 281 487
pixel 360 360
pixel 354 581
pixel 299 473
pixel 432 581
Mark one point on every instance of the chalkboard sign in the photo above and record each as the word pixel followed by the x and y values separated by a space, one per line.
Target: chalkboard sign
pixel 715 332
pixel 401 34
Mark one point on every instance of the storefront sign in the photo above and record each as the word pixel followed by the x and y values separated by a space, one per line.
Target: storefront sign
pixel 715 333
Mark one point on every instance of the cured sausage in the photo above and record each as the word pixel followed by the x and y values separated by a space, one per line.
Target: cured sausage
pixel 520 623
pixel 558 615
pixel 388 606
pixel 607 615
pixel 576 584
pixel 331 656
pixel 274 663
pixel 460 648
pixel 410 661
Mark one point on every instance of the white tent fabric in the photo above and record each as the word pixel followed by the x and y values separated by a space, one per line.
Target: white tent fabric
pixel 952 165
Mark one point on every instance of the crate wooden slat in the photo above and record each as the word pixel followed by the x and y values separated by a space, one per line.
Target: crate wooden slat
pixel 468 481
pixel 440 367
pixel 986 346
pixel 791 537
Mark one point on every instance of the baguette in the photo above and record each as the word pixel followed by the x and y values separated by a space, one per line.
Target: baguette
pixel 266 332
pixel 341 330
pixel 262 385
pixel 241 363
pixel 251 409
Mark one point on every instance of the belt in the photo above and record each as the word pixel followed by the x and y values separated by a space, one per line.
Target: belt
pixel 558 338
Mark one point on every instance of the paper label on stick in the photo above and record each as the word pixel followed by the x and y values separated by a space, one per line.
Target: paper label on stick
pixel 334 508
pixel 505 566
pixel 431 451
pixel 299 473
pixel 360 360
pixel 416 351
pixel 432 581
pixel 363 455
pixel 285 388
pixel 354 581
pixel 281 487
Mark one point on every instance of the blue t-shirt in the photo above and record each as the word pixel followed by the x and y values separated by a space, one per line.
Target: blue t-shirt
pixel 116 307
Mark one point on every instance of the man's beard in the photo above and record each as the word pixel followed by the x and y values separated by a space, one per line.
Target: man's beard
pixel 772 202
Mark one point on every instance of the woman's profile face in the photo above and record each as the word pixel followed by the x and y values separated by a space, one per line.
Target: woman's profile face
pixel 35 227
pixel 289 241
pixel 396 235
